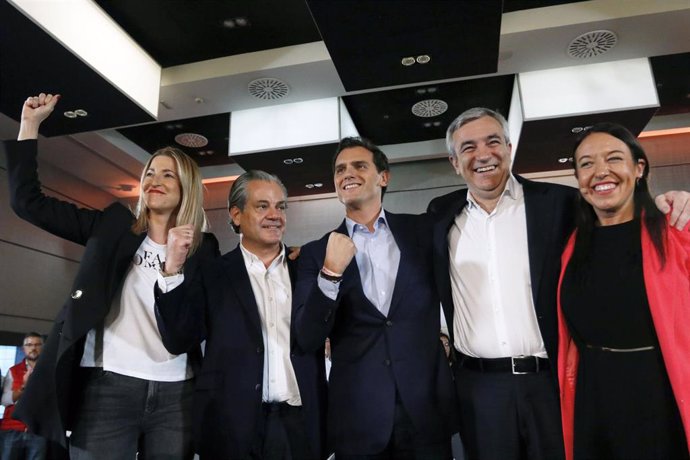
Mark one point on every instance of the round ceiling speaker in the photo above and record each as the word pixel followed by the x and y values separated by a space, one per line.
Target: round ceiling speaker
pixel 590 44
pixel 268 89
pixel 429 108
pixel 192 140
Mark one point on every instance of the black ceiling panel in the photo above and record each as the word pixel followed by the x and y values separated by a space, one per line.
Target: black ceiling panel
pixel 215 128
pixel 517 5
pixel 386 117
pixel 672 75
pixel 543 142
pixel 32 62
pixel 178 32
pixel 314 167
pixel 368 39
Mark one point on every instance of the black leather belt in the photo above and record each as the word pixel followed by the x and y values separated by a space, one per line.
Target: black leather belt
pixel 514 365
pixel 279 407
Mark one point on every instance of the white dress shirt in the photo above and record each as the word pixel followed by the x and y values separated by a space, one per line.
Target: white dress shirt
pixel 490 279
pixel 273 294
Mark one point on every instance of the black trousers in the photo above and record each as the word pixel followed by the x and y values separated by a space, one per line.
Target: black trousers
pixel 404 444
pixel 281 434
pixel 509 417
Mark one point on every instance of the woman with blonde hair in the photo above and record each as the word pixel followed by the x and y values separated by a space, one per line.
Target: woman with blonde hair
pixel 104 373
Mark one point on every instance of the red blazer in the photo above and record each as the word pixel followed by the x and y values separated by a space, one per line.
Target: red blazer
pixel 668 292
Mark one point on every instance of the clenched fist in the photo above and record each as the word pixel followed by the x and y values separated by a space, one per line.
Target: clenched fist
pixel 180 239
pixel 34 111
pixel 339 252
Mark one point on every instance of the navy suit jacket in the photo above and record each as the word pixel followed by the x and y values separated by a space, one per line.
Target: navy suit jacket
pixel 550 220
pixel 374 356
pixel 219 306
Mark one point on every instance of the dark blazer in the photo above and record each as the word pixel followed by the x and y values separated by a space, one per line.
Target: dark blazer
pixel 550 219
pixel 219 306
pixel 375 356
pixel 50 400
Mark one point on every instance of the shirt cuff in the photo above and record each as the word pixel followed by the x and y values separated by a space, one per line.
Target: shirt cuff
pixel 168 283
pixel 328 288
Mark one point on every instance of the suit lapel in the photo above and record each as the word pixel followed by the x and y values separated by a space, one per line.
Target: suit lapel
pixel 442 253
pixel 539 208
pixel 405 240
pixel 238 280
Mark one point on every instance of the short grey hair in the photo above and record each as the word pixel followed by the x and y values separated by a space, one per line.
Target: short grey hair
pixel 470 115
pixel 238 192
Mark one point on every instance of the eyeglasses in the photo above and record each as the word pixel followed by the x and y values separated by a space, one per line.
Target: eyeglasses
pixel 38 344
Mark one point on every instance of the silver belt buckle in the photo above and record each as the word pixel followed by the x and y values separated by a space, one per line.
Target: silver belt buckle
pixel 512 364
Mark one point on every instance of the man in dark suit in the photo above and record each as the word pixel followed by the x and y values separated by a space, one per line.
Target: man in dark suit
pixel 497 248
pixel 254 399
pixel 369 287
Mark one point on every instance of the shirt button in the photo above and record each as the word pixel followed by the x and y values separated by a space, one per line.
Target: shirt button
pixel 387 362
pixel 389 323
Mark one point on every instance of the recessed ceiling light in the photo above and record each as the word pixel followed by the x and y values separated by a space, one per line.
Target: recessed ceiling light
pixel 408 61
pixel 199 100
pixel 268 88
pixel 591 44
pixel 81 113
pixel 70 114
pixel 576 129
pixel 297 160
pixel 242 21
pixel 309 185
pixel 421 91
pixel 423 59
pixel 564 160
pixel 192 140
pixel 429 108
pixel 287 161
pixel 318 184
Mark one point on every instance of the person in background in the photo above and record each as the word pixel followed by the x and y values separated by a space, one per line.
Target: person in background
pixel 104 373
pixel 16 442
pixel 624 311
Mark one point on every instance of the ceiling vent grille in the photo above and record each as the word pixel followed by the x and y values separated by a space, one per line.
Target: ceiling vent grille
pixel 429 108
pixel 590 44
pixel 268 89
pixel 191 140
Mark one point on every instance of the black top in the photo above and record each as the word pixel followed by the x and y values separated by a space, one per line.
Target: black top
pixel 610 287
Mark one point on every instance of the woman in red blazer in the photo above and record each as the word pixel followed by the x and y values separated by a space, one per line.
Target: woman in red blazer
pixel 624 311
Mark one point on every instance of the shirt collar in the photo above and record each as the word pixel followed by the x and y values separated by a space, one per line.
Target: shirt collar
pixel 251 259
pixel 353 226
pixel 513 190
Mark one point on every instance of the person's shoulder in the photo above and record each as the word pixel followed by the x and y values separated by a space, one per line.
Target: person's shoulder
pixel 441 203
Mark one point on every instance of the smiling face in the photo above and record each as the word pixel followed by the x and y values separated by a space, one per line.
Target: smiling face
pixel 262 221
pixel 356 179
pixel 482 157
pixel 161 186
pixel 606 174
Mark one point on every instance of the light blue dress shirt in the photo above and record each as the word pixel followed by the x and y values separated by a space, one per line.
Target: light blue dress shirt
pixel 378 258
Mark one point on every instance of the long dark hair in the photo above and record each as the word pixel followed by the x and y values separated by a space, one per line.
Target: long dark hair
pixel 645 208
